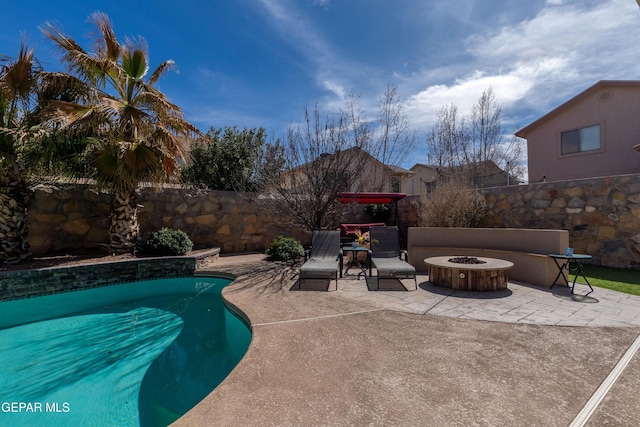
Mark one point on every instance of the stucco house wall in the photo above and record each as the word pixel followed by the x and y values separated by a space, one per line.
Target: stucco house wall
pixel 367 172
pixel 615 107
pixel 418 183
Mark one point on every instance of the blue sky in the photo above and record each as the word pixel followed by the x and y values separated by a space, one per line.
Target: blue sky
pixel 257 63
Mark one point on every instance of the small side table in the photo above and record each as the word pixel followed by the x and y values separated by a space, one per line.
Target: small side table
pixel 354 259
pixel 564 262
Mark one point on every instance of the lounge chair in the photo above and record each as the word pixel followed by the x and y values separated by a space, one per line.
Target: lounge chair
pixel 324 258
pixel 387 256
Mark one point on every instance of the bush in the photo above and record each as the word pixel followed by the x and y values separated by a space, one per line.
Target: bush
pixel 284 248
pixel 453 203
pixel 231 159
pixel 167 242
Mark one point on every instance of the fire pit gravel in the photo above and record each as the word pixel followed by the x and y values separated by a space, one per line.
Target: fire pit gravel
pixel 466 260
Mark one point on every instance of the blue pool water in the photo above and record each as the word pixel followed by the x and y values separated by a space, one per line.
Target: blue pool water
pixel 141 353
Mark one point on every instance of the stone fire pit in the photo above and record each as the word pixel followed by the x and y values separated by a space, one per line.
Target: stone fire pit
pixel 468 273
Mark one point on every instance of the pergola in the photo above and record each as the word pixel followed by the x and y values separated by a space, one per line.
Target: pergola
pixel 373 199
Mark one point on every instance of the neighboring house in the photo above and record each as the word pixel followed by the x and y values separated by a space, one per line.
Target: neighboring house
pixel 591 135
pixel 422 180
pixel 396 175
pixel 365 172
pixel 482 174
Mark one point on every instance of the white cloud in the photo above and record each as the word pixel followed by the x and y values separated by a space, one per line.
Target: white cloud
pixel 533 65
pixel 556 30
pixel 423 106
pixel 539 62
pixel 322 3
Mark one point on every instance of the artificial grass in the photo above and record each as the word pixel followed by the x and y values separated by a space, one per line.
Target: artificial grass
pixel 617 279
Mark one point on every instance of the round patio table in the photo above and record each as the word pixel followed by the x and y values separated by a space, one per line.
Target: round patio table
pixel 565 263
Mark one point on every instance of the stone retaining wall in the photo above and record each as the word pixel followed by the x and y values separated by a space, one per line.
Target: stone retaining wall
pixel 66 217
pixel 602 215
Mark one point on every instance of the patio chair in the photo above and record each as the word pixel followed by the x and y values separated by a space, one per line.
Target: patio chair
pixel 324 259
pixel 387 256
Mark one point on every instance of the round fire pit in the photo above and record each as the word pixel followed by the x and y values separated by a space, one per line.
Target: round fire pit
pixel 468 273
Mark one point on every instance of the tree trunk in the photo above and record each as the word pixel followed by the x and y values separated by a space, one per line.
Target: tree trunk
pixel 123 221
pixel 14 242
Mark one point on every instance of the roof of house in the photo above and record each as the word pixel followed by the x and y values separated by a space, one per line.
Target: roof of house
pixel 477 169
pixel 522 133
pixel 422 165
pixel 399 170
pixel 391 169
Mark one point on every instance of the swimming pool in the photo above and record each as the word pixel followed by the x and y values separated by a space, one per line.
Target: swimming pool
pixel 140 353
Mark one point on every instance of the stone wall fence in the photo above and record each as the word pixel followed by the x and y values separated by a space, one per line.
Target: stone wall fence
pixel 72 216
pixel 602 216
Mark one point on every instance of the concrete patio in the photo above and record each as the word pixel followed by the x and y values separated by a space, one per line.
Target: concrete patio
pixel 431 357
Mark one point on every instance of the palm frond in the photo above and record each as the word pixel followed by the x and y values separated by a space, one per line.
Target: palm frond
pixel 110 107
pixel 88 67
pixel 180 126
pixel 171 145
pixel 66 113
pixel 162 69
pixel 153 99
pixel 18 76
pixel 105 158
pixel 134 63
pixel 140 161
pixel 64 87
pixel 106 43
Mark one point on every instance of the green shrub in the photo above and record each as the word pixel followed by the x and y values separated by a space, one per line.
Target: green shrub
pixel 284 248
pixel 232 159
pixel 167 242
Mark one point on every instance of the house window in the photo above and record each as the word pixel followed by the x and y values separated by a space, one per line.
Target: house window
pixel 394 184
pixel 579 140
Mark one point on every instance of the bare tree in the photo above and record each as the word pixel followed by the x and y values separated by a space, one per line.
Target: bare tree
pixel 484 128
pixel 340 152
pixel 388 138
pixel 470 142
pixel 321 156
pixel 394 137
pixel 447 139
pixel 512 156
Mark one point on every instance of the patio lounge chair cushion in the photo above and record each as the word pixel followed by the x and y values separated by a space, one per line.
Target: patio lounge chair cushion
pixel 319 268
pixel 325 257
pixel 394 268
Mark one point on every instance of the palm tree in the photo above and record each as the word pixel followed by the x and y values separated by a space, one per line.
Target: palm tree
pixel 18 82
pixel 137 135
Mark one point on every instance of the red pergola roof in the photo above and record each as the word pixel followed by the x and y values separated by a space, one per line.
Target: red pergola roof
pixel 371 198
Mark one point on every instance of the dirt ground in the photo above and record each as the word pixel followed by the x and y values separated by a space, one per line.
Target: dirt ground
pixel 65 259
